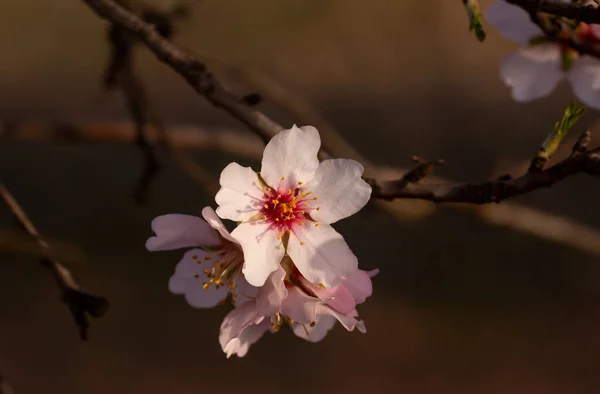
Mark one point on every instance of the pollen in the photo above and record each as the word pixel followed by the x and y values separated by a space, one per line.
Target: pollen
pixel 316 224
pixel 313 324
pixel 196 276
pixel 299 183
pixel 315 198
pixel 301 243
pixel 195 257
pixel 264 217
pixel 266 206
pixel 208 258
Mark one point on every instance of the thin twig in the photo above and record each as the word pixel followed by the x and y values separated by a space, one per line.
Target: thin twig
pixel 80 302
pixel 577 12
pixel 587 162
pixel 190 68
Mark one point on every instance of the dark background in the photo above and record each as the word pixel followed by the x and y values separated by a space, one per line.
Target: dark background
pixel 460 306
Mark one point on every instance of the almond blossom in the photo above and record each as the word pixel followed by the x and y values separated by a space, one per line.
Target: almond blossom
pixel 289 207
pixel 534 71
pixel 209 273
pixel 288 297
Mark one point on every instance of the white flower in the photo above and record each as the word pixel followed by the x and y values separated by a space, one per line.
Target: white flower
pixel 534 71
pixel 289 207
pixel 206 276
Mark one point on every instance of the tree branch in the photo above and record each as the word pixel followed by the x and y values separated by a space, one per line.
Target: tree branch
pixel 577 12
pixel 580 161
pixel 190 68
pixel 80 302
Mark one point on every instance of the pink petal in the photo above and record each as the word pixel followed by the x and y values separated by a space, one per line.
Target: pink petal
pixel 324 323
pixel 324 257
pixel 215 222
pixel 251 334
pixel 512 22
pixel 184 281
pixel 585 81
pixel 532 73
pixel 177 231
pixel 299 306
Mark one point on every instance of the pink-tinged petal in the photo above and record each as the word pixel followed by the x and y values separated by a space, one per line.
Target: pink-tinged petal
pixel 348 320
pixel 188 279
pixel 340 190
pixel 299 306
pixel 359 285
pixel 532 73
pixel 585 81
pixel 237 320
pixel 262 250
pixel 271 295
pixel 177 231
pixel 240 195
pixel 338 297
pixel 240 345
pixel 215 222
pixel 244 290
pixel 324 257
pixel 324 324
pixel 291 154
pixel 512 22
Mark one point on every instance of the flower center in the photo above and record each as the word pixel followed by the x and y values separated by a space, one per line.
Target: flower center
pixel 223 271
pixel 284 209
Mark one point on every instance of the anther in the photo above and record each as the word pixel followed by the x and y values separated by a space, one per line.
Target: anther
pixel 264 217
pixel 282 178
pixel 301 243
pixel 313 324
pixel 299 183
pixel 266 206
pixel 316 224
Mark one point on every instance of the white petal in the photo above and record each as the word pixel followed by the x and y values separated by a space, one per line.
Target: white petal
pixel 237 320
pixel 348 320
pixel 299 306
pixel 532 73
pixel 324 324
pixel 240 195
pixel 512 22
pixel 585 80
pixel 340 190
pixel 240 345
pixel 262 250
pixel 291 154
pixel 272 294
pixel 184 281
pixel 215 222
pixel 177 231
pixel 359 285
pixel 324 257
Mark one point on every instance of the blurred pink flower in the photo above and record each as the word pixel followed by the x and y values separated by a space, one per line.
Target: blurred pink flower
pixel 289 207
pixel 206 275
pixel 534 71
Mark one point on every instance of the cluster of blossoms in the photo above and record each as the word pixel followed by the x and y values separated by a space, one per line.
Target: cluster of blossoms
pixel 533 71
pixel 284 262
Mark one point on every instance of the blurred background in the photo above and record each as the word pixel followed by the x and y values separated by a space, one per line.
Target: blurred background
pixel 491 300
